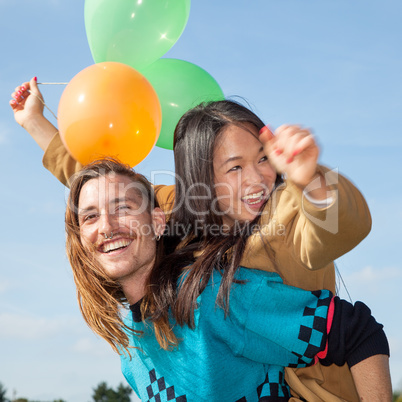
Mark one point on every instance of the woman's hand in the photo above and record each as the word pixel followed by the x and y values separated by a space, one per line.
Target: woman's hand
pixel 27 103
pixel 293 151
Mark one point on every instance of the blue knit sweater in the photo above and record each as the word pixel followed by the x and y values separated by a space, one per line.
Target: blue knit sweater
pixel 242 357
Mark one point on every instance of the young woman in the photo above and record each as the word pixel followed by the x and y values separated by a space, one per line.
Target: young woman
pixel 223 180
pixel 113 229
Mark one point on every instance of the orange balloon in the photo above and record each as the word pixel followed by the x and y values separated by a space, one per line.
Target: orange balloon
pixel 109 109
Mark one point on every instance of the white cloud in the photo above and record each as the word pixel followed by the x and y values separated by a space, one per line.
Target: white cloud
pixel 369 283
pixel 28 327
pixel 371 275
pixel 395 344
pixel 92 346
pixel 379 288
pixel 4 285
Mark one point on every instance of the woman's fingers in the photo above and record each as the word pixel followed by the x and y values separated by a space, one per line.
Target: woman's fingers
pixel 292 141
pixel 34 87
pixel 290 144
pixel 21 92
pixel 266 135
pixel 13 103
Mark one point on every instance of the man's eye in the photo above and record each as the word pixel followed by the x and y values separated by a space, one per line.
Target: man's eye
pixel 89 217
pixel 123 207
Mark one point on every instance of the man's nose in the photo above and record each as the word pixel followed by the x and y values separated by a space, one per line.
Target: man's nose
pixel 106 225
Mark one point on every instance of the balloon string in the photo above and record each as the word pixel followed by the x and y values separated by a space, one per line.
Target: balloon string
pixel 43 102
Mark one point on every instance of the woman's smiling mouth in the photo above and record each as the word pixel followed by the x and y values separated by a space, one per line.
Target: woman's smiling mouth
pixel 254 198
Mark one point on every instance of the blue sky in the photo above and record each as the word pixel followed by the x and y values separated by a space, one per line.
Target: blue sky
pixel 334 66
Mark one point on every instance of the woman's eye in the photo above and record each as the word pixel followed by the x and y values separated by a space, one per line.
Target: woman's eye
pixel 234 168
pixel 264 159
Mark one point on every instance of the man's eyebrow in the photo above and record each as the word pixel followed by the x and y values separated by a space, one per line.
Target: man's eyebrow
pixel 116 200
pixel 82 211
pixel 119 200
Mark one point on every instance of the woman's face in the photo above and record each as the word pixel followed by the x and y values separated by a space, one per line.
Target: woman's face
pixel 243 177
pixel 112 204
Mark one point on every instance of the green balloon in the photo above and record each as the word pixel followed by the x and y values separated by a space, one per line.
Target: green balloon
pixel 134 32
pixel 180 86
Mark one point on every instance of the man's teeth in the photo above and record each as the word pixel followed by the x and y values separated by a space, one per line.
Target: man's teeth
pixel 114 245
pixel 253 198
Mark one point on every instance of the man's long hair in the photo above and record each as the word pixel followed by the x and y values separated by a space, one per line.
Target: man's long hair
pixel 101 299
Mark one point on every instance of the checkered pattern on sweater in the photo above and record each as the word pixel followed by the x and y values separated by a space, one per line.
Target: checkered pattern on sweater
pixel 158 392
pixel 273 389
pixel 313 329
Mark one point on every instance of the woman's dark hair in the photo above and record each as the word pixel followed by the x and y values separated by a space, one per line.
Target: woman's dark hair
pixel 195 138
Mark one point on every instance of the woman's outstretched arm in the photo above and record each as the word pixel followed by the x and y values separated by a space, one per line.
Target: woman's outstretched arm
pixel 27 105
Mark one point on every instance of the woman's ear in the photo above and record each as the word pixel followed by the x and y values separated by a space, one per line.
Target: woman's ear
pixel 158 221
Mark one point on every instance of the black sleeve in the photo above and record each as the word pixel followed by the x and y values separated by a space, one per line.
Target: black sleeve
pixel 355 335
